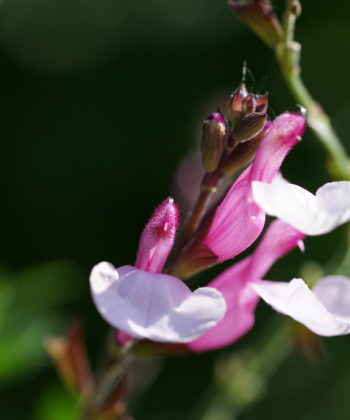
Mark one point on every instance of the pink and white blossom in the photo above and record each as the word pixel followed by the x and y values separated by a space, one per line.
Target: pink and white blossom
pixel 144 303
pixel 235 285
pixel 158 307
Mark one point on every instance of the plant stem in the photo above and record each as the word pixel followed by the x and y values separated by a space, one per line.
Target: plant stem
pixel 208 188
pixel 288 57
pixel 107 384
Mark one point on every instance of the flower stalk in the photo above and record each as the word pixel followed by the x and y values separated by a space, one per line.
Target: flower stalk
pixel 288 57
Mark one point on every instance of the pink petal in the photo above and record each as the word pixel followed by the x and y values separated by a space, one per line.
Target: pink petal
pixel 238 221
pixel 234 284
pixel 158 238
pixel 241 302
pixel 299 302
pixel 154 306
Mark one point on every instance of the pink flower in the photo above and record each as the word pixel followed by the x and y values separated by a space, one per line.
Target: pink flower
pixel 238 221
pixel 142 302
pixel 236 286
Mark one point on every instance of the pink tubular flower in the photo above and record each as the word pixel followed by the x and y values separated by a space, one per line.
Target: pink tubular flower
pixel 235 285
pixel 144 303
pixel 238 221
pixel 157 238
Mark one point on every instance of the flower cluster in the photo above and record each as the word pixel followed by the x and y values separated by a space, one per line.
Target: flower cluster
pixel 151 301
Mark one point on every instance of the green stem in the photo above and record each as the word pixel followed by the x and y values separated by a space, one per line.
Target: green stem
pixel 288 57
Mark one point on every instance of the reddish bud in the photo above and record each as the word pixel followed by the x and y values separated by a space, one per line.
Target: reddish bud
pixel 248 104
pixel 234 105
pixel 261 103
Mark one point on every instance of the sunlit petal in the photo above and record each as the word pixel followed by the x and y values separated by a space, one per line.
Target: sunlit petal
pixel 154 306
pixel 302 304
pixel 311 214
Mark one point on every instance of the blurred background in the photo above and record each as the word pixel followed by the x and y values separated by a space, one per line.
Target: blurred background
pixel 100 100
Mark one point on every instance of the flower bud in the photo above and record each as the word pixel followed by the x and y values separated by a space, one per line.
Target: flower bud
pixel 248 104
pixel 261 103
pixel 244 153
pixel 158 238
pixel 213 141
pixel 259 16
pixel 250 126
pixel 234 105
pixel 247 113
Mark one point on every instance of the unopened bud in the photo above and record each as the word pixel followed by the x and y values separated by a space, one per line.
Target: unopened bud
pixel 213 141
pixel 250 126
pixel 248 104
pixel 234 105
pixel 244 153
pixel 259 16
pixel 247 114
pixel 158 238
pixel 261 103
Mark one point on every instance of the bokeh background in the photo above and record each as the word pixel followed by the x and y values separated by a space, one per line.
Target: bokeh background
pixel 100 100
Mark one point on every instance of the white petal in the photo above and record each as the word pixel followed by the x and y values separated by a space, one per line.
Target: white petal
pixel 154 306
pixel 334 198
pixel 311 214
pixel 299 302
pixel 334 294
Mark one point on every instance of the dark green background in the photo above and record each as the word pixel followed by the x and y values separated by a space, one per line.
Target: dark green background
pixel 100 99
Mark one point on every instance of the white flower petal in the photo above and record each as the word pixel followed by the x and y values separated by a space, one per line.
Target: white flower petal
pixel 334 198
pixel 311 214
pixel 299 302
pixel 334 294
pixel 154 306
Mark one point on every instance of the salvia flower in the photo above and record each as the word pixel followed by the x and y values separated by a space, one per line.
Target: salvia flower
pixel 235 285
pixel 311 214
pixel 145 303
pixel 238 220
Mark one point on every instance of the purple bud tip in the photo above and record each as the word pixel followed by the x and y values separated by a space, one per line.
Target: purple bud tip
pixel 216 116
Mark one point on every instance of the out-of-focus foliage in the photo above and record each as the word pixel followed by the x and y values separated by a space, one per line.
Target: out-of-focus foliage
pixel 29 311
pixel 99 101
